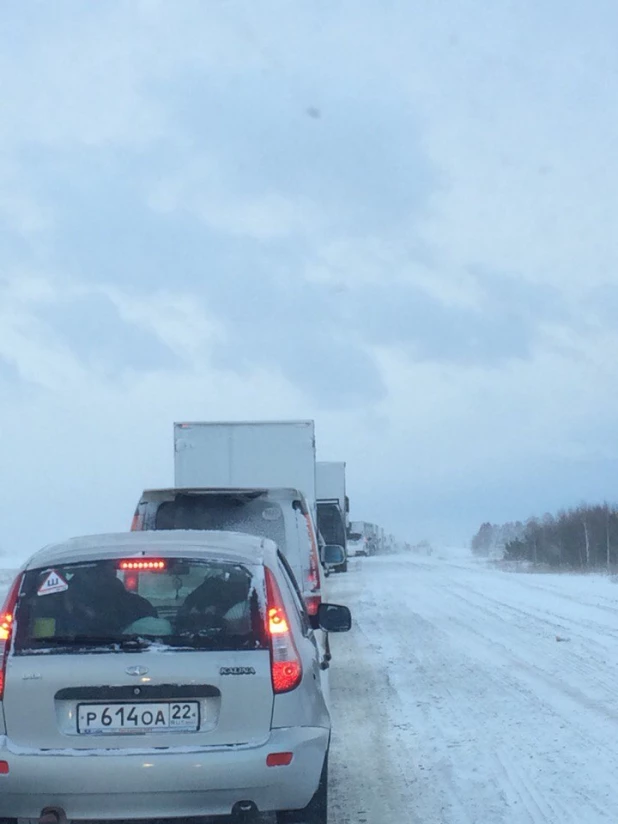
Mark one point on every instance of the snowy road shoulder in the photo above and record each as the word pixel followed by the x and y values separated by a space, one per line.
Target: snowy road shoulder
pixel 455 704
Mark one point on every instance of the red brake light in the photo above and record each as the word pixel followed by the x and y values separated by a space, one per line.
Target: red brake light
pixel 143 566
pixel 314 560
pixel 137 524
pixel 286 676
pixel 286 667
pixel 4 767
pixel 312 603
pixel 6 627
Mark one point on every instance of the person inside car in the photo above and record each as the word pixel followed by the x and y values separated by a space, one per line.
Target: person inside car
pixel 219 601
pixel 98 603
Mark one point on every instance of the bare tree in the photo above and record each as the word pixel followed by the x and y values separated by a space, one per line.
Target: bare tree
pixel 585 536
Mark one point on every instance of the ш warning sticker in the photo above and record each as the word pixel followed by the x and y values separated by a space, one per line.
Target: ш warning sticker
pixel 54 582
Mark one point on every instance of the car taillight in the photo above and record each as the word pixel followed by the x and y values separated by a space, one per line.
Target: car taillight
pixel 137 524
pixel 313 577
pixel 7 615
pixel 286 667
pixel 312 602
pixel 314 561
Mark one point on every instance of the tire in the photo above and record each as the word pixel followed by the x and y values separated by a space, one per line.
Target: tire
pixel 316 811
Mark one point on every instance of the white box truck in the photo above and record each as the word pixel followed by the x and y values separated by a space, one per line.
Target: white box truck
pixel 332 504
pixel 235 459
pixel 238 475
pixel 246 455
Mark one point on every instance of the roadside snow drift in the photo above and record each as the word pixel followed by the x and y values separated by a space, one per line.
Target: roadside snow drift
pixel 456 703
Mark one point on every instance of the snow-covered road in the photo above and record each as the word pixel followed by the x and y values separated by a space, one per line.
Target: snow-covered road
pixel 455 704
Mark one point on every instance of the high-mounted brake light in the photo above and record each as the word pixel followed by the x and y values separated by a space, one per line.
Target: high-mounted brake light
pixel 7 615
pixel 286 667
pixel 143 566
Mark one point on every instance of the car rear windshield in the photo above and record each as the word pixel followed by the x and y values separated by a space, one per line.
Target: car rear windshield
pixel 180 603
pixel 253 515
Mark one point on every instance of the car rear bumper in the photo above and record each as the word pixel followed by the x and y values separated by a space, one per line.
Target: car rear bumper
pixel 170 784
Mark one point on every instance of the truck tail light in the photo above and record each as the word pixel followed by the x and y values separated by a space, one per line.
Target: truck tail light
pixel 7 615
pixel 286 667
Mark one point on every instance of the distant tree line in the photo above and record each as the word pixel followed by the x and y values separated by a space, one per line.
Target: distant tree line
pixel 584 537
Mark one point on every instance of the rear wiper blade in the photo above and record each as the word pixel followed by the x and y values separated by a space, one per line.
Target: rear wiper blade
pixel 199 640
pixel 126 642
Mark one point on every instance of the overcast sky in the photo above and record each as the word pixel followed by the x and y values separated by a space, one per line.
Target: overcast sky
pixel 397 218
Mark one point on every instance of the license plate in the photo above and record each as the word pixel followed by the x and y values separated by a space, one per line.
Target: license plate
pixel 102 719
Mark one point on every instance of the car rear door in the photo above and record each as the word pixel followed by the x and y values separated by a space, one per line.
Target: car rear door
pixel 141 692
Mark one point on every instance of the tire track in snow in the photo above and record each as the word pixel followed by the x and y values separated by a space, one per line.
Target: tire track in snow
pixel 600 687
pixel 508 747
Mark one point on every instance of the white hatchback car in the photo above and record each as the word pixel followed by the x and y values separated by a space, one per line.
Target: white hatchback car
pixel 162 675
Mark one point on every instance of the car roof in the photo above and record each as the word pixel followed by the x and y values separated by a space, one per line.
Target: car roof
pixel 235 547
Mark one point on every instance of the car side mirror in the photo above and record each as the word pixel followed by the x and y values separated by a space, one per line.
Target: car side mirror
pixel 333 555
pixel 334 618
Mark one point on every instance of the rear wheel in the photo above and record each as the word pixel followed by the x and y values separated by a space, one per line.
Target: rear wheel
pixel 316 812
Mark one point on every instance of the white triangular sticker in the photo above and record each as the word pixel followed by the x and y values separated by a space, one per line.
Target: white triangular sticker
pixel 52 584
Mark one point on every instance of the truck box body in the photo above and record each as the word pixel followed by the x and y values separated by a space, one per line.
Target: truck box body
pixel 252 454
pixel 331 502
pixel 330 483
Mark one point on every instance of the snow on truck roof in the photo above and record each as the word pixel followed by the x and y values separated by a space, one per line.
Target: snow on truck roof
pixel 226 546
pixel 299 422
pixel 233 490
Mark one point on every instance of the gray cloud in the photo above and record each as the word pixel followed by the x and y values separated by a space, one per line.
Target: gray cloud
pixel 90 326
pixel 505 325
pixel 10 378
pixel 345 209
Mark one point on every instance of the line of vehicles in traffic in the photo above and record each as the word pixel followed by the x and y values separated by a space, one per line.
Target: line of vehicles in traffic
pixel 181 669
